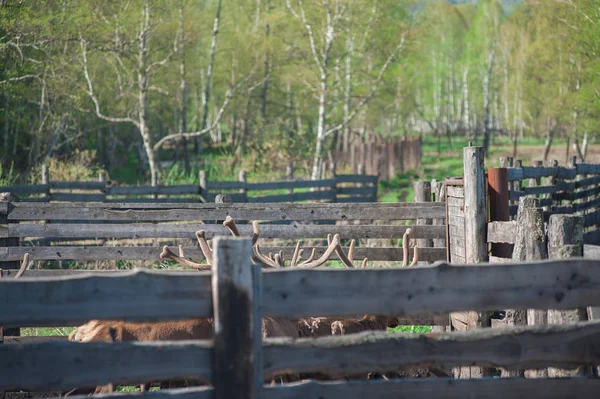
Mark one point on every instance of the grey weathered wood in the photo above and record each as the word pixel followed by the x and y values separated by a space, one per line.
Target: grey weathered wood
pixel 77 197
pixel 530 244
pixel 25 189
pixel 438 189
pixel 211 211
pixel 513 349
pixel 475 185
pixel 98 253
pixel 530 172
pixel 591 251
pixel 203 185
pixel 135 231
pixel 149 190
pixel 310 196
pixel 35 339
pixel 438 388
pixel 150 295
pixel 77 185
pixel 277 185
pixel 85 364
pixel 502 232
pixel 422 191
pixel 564 388
pixel 91 364
pixel 456 192
pixel 235 322
pixel 475 205
pixel 358 178
pixel 565 240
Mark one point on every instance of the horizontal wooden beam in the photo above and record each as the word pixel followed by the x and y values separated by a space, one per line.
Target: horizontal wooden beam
pixel 135 231
pixel 563 346
pixel 502 232
pixel 81 365
pixel 151 295
pixel 149 190
pixel 22 211
pixel 93 253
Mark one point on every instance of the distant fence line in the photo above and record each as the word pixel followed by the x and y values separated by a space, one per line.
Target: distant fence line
pixel 341 188
pixel 382 158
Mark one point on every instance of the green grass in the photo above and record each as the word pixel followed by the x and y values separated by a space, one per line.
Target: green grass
pixel 411 329
pixel 46 332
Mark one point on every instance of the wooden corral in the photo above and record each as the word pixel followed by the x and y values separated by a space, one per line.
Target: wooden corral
pixel 233 369
pixel 338 188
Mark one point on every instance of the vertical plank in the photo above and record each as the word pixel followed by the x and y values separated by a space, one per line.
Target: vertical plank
pixel 498 193
pixel 289 174
pixel 235 323
pixel 46 180
pixel 243 178
pixel 257 331
pixel 7 198
pixel 437 187
pixel 203 182
pixel 475 239
pixel 565 240
pixel 423 194
pixel 475 205
pixel 530 245
pixel 102 179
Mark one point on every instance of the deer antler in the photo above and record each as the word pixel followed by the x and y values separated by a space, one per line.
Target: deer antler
pixel 24 265
pixel 168 254
pixel 230 224
pixel 330 250
pixel 405 246
pixel 201 237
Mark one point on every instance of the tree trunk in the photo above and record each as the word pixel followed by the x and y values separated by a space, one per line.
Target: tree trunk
pixel 348 90
pixel 486 101
pixel 548 143
pixel 265 87
pixel 183 93
pixel 320 128
pixel 466 118
pixel 209 72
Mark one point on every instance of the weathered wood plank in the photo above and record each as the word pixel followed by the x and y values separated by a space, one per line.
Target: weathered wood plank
pixel 90 364
pixel 277 185
pixel 356 179
pixel 150 190
pixel 34 339
pixel 587 169
pixel 77 197
pixel 456 211
pixel 78 185
pixel 150 295
pixel 90 253
pixel 529 172
pixel 85 364
pixel 456 192
pixel 235 324
pixel 294 197
pixel 26 189
pixel 134 231
pixel 531 347
pixel 591 251
pixel 502 232
pixel 496 388
pixel 170 212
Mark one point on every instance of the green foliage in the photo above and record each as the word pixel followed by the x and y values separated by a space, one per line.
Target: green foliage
pixel 8 177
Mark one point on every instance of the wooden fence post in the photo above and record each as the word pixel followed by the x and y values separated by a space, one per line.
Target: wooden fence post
pixel 423 194
pixel 565 240
pixel 475 240
pixel 235 322
pixel 437 187
pixel 498 193
pixel 46 180
pixel 530 245
pixel 243 178
pixel 5 200
pixel 102 179
pixel 203 182
pixel 289 175
pixel 475 205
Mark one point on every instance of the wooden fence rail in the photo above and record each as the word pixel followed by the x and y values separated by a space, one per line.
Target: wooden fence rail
pixel 342 188
pixel 145 295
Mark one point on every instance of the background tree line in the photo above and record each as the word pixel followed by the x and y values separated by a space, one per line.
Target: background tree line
pixel 276 81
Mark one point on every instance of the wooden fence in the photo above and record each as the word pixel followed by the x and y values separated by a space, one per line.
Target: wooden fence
pixel 382 158
pixel 341 188
pixel 243 294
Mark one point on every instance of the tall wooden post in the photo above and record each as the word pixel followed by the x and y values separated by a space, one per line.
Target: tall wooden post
pixel 423 194
pixel 475 205
pixel 289 175
pixel 243 178
pixel 498 193
pixel 475 242
pixel 46 181
pixel 203 185
pixel 565 240
pixel 5 200
pixel 437 188
pixel 236 325
pixel 102 179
